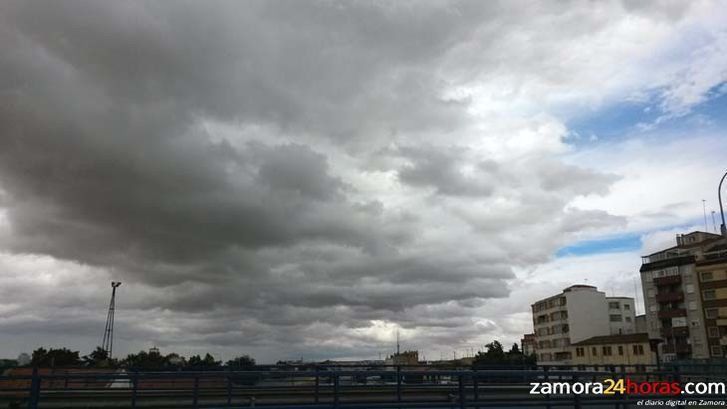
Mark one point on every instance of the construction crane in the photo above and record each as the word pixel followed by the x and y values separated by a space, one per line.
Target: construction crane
pixel 108 336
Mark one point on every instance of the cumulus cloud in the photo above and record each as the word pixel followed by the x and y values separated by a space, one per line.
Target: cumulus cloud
pixel 300 177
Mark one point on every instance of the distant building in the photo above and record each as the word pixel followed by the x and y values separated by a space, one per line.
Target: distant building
pixel 527 344
pixel 674 306
pixel 621 315
pixel 404 358
pixel 711 271
pixel 625 349
pixel 640 323
pixel 578 313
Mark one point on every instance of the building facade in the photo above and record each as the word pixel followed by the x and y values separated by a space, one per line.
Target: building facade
pixel 624 349
pixel 578 313
pixel 674 310
pixel 711 272
pixel 621 315
pixel 527 344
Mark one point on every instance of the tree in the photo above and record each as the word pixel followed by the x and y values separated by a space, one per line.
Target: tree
pixel 55 357
pixel 196 362
pixel 146 360
pixel 495 356
pixel 98 358
pixel 243 362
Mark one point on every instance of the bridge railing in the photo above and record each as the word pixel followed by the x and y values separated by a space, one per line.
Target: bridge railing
pixel 333 387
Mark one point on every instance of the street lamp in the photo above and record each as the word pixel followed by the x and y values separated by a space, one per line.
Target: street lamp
pixel 722 228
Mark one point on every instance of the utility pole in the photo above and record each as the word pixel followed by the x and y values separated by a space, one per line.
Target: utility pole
pixel 108 336
pixel 723 228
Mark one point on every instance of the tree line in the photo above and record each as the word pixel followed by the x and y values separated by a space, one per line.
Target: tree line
pixel 153 359
pixel 495 355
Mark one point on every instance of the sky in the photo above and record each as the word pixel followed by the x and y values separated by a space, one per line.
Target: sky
pixel 304 179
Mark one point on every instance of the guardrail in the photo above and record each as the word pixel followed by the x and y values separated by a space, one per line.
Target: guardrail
pixel 329 387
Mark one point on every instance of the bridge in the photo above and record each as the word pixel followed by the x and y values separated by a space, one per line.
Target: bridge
pixel 328 387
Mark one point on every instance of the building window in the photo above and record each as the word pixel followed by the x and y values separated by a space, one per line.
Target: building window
pixel 638 349
pixel 711 313
pixel 627 307
pixel 692 305
pixel 594 351
pixel 614 305
pixel 706 276
pixel 580 352
pixel 690 288
pixel 713 332
pixel 708 294
pixel 628 319
pixel 652 308
pixel 620 350
pixel 716 350
pixel 615 318
pixel 606 351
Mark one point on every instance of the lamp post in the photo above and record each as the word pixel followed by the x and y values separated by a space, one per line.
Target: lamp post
pixel 722 227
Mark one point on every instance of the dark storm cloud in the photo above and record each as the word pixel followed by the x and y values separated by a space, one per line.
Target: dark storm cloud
pixel 106 160
pixel 442 170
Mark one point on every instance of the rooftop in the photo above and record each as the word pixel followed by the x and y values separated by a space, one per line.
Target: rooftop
pixel 615 339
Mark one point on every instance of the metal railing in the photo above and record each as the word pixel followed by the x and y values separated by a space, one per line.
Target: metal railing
pixel 331 387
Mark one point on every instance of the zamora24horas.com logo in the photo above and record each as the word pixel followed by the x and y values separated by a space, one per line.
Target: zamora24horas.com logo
pixel 628 387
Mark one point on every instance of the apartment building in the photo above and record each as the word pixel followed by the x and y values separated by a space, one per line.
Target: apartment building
pixel 625 349
pixel 674 306
pixel 621 315
pixel 578 313
pixel 527 344
pixel 711 271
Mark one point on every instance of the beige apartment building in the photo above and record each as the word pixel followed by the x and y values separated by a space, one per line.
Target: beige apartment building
pixel 625 349
pixel 675 310
pixel 578 313
pixel 711 271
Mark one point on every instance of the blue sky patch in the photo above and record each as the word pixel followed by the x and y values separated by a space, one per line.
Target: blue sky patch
pixel 629 242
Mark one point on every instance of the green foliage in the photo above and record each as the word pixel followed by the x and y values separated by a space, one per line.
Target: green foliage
pixel 494 355
pixel 147 360
pixel 144 360
pixel 99 358
pixel 197 362
pixel 241 363
pixel 55 357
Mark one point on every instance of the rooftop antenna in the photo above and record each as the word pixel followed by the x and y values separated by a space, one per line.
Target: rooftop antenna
pixel 704 209
pixel 108 336
pixel 397 342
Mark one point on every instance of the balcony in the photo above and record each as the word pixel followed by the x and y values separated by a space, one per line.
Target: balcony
pixel 675 312
pixel 677 349
pixel 675 296
pixel 675 332
pixel 668 280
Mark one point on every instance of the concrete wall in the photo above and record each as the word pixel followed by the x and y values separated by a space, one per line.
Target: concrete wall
pixel 587 314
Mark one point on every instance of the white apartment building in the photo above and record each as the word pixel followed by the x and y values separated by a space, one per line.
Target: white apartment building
pixel 578 313
pixel 621 315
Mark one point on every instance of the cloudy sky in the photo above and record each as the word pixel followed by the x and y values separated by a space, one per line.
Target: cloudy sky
pixel 300 179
